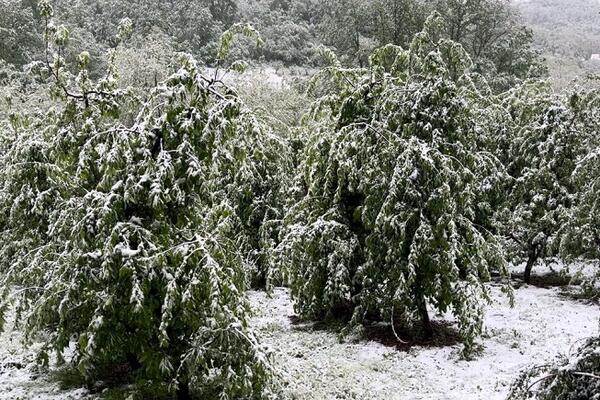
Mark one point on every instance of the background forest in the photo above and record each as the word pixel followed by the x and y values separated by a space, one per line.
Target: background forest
pixel 246 199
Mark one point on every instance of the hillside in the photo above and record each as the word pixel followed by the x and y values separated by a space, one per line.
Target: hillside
pixel 567 32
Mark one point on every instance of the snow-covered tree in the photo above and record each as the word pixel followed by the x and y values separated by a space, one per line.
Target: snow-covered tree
pixel 583 231
pixel 132 222
pixel 580 236
pixel 392 180
pixel 20 35
pixel 543 147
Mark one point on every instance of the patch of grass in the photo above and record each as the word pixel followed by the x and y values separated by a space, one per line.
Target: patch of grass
pixel 149 391
pixel 68 377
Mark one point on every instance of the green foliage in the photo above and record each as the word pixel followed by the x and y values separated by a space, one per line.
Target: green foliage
pixel 193 26
pixel 389 192
pixel 545 142
pixel 488 29
pixel 226 42
pixel 491 33
pixel 20 35
pixel 130 226
pixel 396 21
pixel 342 24
pixel 574 377
pixel 583 233
pixel 133 220
pixel 288 32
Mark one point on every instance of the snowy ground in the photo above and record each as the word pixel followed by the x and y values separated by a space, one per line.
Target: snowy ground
pixel 316 365
pixel 19 376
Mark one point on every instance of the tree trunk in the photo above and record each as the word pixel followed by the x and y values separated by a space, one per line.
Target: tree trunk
pixel 183 391
pixel 133 361
pixel 427 328
pixel 533 255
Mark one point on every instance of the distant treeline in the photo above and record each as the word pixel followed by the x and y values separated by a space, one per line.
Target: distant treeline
pixel 489 30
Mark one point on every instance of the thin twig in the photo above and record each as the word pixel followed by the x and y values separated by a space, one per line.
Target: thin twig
pixel 394 329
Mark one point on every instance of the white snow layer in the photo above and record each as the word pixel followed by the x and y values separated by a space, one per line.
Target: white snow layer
pixel 315 365
pixel 21 379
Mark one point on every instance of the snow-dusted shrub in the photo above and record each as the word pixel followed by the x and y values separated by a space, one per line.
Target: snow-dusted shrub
pixel 393 174
pixel 581 235
pixel 543 146
pixel 131 239
pixel 584 230
pixel 573 377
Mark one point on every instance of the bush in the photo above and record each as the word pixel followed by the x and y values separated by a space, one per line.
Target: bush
pixel 574 377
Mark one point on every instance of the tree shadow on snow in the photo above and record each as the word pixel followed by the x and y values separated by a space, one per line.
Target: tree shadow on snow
pixel 444 334
pixel 404 338
pixel 545 280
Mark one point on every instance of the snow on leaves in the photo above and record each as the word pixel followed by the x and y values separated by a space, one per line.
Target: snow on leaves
pixel 135 240
pixel 392 175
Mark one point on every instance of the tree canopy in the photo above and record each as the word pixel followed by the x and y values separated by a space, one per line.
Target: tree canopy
pixel 390 187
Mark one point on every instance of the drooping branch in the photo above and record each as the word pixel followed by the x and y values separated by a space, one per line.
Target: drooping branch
pixel 54 72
